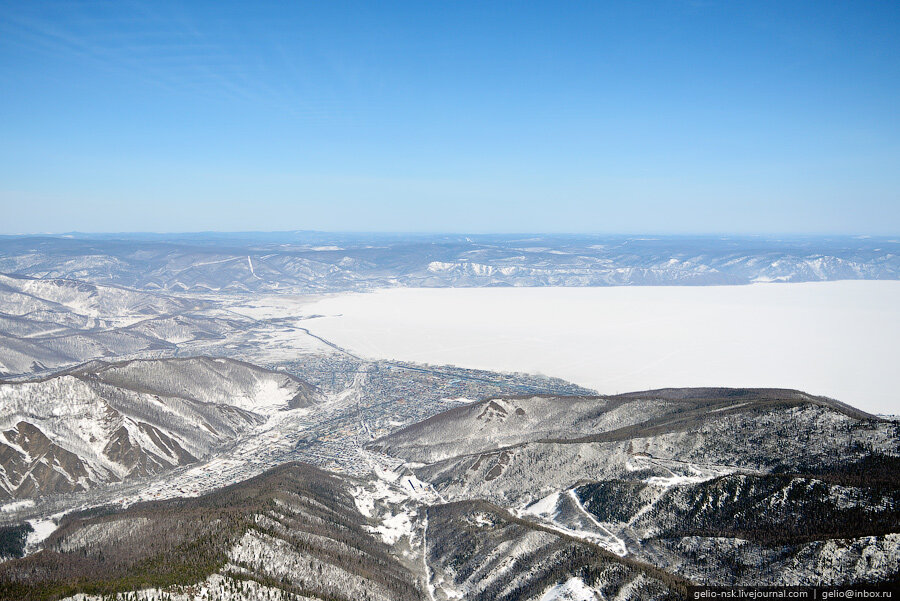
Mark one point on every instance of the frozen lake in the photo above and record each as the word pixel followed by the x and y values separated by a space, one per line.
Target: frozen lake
pixel 837 339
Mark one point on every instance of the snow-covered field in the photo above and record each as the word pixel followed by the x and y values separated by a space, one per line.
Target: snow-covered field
pixel 838 339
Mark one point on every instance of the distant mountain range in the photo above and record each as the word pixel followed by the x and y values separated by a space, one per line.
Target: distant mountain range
pixel 66 300
pixel 316 262
pixel 46 324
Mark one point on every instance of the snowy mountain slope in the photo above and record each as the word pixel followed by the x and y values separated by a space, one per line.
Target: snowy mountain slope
pixel 295 531
pixel 779 508
pixel 301 532
pixel 494 423
pixel 778 528
pixel 502 422
pixel 208 380
pixel 108 422
pixel 769 469
pixel 25 295
pixel 48 324
pixel 21 355
pixel 32 346
pixel 758 440
pixel 25 355
pixel 484 554
pixel 746 486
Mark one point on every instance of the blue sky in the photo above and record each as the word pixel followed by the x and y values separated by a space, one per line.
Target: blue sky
pixel 633 117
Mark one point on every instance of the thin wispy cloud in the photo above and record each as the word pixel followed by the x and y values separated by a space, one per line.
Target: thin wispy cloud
pixel 582 116
pixel 157 46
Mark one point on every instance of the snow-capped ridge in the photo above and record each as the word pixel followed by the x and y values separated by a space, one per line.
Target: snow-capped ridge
pixel 105 422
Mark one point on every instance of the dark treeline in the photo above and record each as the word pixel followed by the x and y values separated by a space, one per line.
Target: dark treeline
pixel 12 540
pixel 772 509
pixel 183 541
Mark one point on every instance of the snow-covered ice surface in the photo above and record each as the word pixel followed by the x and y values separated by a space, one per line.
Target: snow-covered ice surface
pixel 269 306
pixel 836 339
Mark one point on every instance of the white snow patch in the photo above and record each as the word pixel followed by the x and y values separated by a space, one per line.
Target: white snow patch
pixel 545 507
pixel 546 511
pixel 364 501
pixel 394 527
pixel 17 505
pixel 573 589
pixel 676 480
pixel 697 476
pixel 42 529
pixel 253 273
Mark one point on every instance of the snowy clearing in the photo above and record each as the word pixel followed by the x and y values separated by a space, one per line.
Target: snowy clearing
pixel 548 511
pixel 17 505
pixel 574 589
pixel 41 530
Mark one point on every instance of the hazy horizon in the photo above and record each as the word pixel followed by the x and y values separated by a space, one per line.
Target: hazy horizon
pixel 412 233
